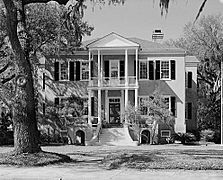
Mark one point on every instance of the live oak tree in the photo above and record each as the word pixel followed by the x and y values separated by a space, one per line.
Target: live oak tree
pixel 23 102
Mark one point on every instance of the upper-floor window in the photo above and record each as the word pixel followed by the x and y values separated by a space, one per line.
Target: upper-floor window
pixel 157 69
pixel 143 70
pixel 71 70
pixel 84 70
pixel 165 69
pixel 189 79
pixel 64 70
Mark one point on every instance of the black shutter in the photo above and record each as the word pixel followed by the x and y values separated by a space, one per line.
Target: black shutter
pixel 106 68
pixel 122 69
pixel 92 68
pixel 44 108
pixel 78 70
pixel 173 69
pixel 44 81
pixel 189 80
pixel 56 101
pixel 189 110
pixel 92 106
pixel 173 105
pixel 151 70
pixel 71 71
pixel 157 70
pixel 56 71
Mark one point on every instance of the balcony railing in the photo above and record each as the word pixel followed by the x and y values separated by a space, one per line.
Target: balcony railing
pixel 113 82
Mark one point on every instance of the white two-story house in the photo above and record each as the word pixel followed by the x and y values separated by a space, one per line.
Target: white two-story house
pixel 111 72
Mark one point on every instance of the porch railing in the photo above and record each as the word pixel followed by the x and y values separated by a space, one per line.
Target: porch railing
pixel 113 82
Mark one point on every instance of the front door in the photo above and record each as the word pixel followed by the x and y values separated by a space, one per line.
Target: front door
pixel 114 111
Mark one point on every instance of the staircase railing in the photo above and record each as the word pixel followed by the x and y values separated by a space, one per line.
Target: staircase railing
pixel 96 135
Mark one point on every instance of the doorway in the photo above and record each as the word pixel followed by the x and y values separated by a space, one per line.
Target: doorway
pixel 145 137
pixel 114 110
pixel 80 138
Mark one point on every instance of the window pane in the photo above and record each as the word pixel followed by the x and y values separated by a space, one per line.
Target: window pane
pixel 143 70
pixel 143 107
pixel 165 69
pixel 85 70
pixel 167 101
pixel 165 133
pixel 64 71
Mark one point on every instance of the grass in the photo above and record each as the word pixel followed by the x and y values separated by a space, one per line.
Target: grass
pixel 140 157
pixel 166 159
pixel 33 159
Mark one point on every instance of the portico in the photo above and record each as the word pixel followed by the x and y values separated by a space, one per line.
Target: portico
pixel 116 78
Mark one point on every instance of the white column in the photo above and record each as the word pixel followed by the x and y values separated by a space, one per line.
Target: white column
pixel 102 64
pixel 126 102
pixel 136 66
pixel 89 60
pixel 99 68
pixel 106 106
pixel 122 105
pixel 99 106
pixel 136 98
pixel 89 107
pixel 126 67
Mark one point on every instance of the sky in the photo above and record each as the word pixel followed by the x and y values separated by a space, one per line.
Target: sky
pixel 138 18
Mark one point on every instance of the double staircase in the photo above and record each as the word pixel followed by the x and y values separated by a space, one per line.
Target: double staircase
pixel 116 136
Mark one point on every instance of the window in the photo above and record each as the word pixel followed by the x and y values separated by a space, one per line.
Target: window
pixel 165 133
pixel 189 79
pixel 85 107
pixel 84 71
pixel 143 108
pixel 143 70
pixel 157 69
pixel 165 70
pixel 189 110
pixel 64 70
pixel 167 101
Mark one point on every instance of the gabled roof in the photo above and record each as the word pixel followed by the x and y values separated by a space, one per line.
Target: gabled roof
pixel 115 40
pixel 112 40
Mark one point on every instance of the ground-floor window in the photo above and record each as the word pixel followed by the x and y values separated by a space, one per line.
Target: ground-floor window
pixel 165 133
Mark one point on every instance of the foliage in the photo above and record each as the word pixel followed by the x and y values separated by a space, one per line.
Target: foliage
pixel 158 113
pixel 205 41
pixel 185 138
pixel 207 135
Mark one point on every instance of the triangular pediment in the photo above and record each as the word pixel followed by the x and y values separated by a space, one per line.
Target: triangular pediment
pixel 112 40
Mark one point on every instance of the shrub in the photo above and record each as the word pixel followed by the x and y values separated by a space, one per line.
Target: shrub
pixel 185 138
pixel 208 135
pixel 217 137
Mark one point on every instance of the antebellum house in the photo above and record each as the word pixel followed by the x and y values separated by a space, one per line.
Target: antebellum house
pixel 112 72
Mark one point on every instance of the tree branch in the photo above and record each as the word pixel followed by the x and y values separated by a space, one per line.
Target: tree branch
pixel 5 67
pixel 8 79
pixel 64 2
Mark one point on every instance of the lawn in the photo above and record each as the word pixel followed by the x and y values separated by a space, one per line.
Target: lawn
pixel 140 157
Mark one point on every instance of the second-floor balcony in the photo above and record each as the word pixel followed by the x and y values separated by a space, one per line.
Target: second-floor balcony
pixel 131 81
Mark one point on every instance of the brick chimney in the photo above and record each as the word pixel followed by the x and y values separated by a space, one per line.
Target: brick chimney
pixel 157 36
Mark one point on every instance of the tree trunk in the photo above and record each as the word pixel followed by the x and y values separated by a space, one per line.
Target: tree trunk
pixel 154 130
pixel 24 114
